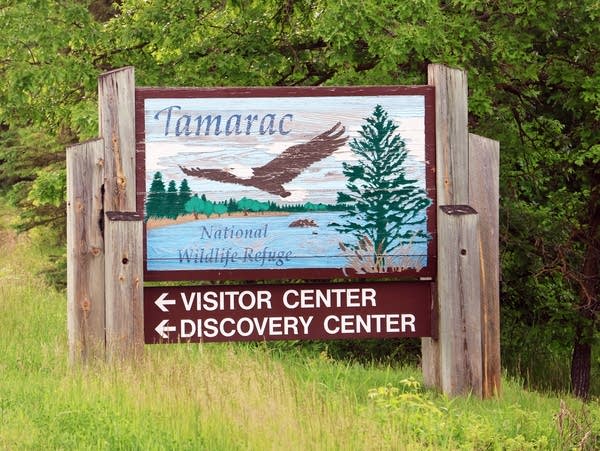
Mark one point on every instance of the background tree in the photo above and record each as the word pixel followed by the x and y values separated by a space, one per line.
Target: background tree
pixel 382 204
pixel 46 69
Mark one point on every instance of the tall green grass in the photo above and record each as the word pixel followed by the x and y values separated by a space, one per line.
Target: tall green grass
pixel 238 397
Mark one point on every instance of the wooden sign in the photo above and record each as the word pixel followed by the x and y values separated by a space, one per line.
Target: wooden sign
pixel 269 183
pixel 279 183
pixel 287 312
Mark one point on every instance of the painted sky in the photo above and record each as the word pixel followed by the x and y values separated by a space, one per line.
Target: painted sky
pixel 311 116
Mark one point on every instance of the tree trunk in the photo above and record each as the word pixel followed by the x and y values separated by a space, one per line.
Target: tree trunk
pixel 589 304
pixel 581 366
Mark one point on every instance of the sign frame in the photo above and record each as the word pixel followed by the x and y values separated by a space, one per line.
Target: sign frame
pixel 428 93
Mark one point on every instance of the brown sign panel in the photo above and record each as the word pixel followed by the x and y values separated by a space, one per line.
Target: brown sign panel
pixel 287 312
pixel 279 183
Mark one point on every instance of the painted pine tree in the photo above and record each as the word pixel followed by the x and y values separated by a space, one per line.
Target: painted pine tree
pixel 155 200
pixel 171 205
pixel 185 194
pixel 383 207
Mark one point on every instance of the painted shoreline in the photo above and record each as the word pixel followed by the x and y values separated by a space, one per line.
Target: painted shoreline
pixel 166 222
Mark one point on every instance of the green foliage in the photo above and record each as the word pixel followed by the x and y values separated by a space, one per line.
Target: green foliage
pixel 245 204
pixel 410 396
pixel 197 205
pixel 49 62
pixel 49 188
pixel 507 426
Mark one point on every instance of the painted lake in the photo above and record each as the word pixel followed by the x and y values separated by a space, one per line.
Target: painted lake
pixel 256 242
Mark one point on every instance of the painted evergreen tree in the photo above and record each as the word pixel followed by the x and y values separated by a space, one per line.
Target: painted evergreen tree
pixel 156 197
pixel 185 194
pixel 382 204
pixel 171 205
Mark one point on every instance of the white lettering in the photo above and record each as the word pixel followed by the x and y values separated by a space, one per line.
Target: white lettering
pixel 184 332
pixel 211 329
pixel 261 326
pixel 249 325
pixel 211 301
pixel 378 323
pixel 290 323
pixel 187 303
pixel 408 320
pixel 368 295
pixel 275 326
pixel 285 299
pixel 231 332
pixel 305 324
pixel 208 301
pixel 328 329
pixel 329 297
pixel 246 327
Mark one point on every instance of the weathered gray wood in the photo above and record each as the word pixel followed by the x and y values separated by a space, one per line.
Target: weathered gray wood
pixel 452 169
pixel 123 236
pixel 85 252
pixel 451 134
pixel 430 350
pixel 459 293
pixel 124 286
pixel 484 163
pixel 116 97
pixel 430 362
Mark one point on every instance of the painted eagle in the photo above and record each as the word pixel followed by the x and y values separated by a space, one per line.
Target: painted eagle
pixel 282 169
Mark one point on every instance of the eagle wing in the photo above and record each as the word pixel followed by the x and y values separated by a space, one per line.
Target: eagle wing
pixel 295 159
pixel 217 175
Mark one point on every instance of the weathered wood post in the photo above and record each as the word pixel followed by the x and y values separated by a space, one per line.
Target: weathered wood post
pixel 459 294
pixel 484 165
pixel 453 360
pixel 451 115
pixel 105 266
pixel 116 105
pixel 123 228
pixel 124 287
pixel 85 251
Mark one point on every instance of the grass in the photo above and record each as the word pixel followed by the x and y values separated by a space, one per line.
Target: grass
pixel 239 396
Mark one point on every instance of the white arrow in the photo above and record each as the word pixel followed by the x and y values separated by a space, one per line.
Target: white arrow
pixel 162 301
pixel 163 330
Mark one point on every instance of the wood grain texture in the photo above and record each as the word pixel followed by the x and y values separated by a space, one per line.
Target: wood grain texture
pixel 452 169
pixel 116 97
pixel 430 362
pixel 85 252
pixel 452 144
pixel 123 236
pixel 124 287
pixel 484 163
pixel 459 293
